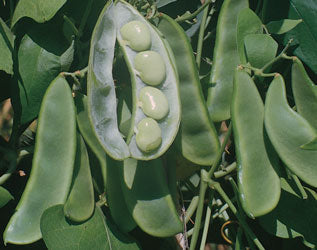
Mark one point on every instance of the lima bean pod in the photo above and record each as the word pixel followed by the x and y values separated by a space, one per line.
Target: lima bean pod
pixel 305 93
pixel 225 60
pixel 88 134
pixel 115 197
pixel 80 203
pixel 148 198
pixel 198 140
pixel 288 131
pixel 101 88
pixel 52 167
pixel 248 23
pixel 259 184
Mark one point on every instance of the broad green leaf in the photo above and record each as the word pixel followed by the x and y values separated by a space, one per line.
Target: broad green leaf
pixel 96 233
pixel 293 217
pixel 260 49
pixel 40 11
pixel 6 48
pixel 248 23
pixel 5 197
pixel 37 68
pixel 282 26
pixel 304 35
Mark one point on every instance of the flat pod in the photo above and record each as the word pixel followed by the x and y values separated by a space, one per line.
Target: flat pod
pixel 80 203
pixel 225 60
pixel 198 140
pixel 287 131
pixel 259 184
pixel 305 93
pixel 52 166
pixel 169 86
pixel 148 198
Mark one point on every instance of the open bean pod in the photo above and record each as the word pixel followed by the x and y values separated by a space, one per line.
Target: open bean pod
pixel 288 131
pixel 259 184
pixel 149 63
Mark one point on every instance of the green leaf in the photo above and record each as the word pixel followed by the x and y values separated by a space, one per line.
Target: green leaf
pixel 260 49
pixel 40 11
pixel 5 196
pixel 6 48
pixel 282 26
pixel 293 217
pixel 96 233
pixel 304 35
pixel 38 66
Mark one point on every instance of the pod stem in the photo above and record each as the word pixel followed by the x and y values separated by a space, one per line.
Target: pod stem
pixel 216 185
pixel 225 171
pixel 190 16
pixel 207 222
pixel 203 188
pixel 260 72
pixel 201 37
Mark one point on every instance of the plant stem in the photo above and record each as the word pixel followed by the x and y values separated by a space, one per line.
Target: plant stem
pixel 194 14
pixel 191 208
pixel 71 24
pixel 201 37
pixel 203 188
pixel 226 170
pixel 206 225
pixel 218 188
pixel 299 186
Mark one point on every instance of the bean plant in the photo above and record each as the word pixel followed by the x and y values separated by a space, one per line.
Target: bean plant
pixel 167 124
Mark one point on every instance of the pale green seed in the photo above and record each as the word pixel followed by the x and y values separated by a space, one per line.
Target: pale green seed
pixel 148 137
pixel 150 67
pixel 136 35
pixel 153 103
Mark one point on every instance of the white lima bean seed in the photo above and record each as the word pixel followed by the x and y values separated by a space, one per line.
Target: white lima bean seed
pixel 153 103
pixel 148 136
pixel 150 67
pixel 136 35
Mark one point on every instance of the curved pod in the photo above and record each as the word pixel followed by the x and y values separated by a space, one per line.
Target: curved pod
pixel 259 184
pixel 305 93
pixel 288 131
pixel 52 166
pixel 80 203
pixel 101 89
pixel 198 138
pixel 148 198
pixel 225 60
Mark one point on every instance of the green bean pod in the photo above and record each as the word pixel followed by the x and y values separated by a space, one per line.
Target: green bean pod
pixel 225 60
pixel 80 203
pixel 87 132
pixel 148 198
pixel 305 93
pixel 101 89
pixel 248 23
pixel 115 197
pixel 52 166
pixel 259 184
pixel 287 131
pixel 198 138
